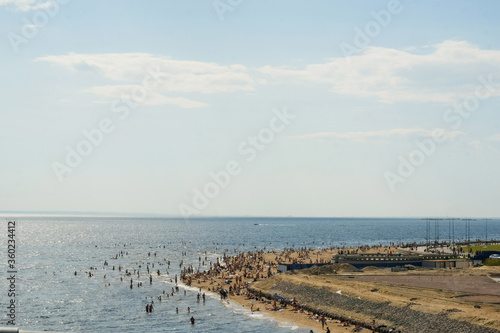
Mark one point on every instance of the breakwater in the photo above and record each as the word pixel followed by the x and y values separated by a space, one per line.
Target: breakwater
pixel 404 319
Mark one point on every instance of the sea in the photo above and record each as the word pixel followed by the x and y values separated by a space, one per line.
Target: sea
pixel 49 249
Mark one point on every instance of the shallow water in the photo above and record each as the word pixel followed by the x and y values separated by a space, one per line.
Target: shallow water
pixel 51 248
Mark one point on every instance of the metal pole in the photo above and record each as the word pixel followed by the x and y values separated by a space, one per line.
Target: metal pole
pixel 486 227
pixel 468 232
pixel 449 232
pixel 427 233
pixel 436 232
pixel 428 229
pixel 453 229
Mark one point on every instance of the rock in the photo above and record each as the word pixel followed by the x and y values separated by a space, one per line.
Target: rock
pixel 402 318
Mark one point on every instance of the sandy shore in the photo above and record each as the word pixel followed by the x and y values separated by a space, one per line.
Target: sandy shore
pixel 459 300
pixel 250 268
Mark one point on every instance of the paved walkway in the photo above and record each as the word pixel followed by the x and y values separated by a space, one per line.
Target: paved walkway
pixel 466 284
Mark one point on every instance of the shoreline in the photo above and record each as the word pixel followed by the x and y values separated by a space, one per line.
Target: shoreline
pixel 236 270
pixel 263 307
pixel 246 278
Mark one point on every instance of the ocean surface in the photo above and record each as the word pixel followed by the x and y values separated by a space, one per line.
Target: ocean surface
pixel 49 249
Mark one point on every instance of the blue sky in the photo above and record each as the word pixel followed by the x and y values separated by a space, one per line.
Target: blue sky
pixel 238 107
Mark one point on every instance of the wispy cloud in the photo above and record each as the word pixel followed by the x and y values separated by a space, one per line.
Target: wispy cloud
pixel 495 137
pixel 26 5
pixel 446 73
pixel 174 77
pixel 476 145
pixel 153 98
pixel 381 135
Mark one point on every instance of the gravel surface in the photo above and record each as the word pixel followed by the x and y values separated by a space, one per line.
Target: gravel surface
pixel 404 318
pixel 467 284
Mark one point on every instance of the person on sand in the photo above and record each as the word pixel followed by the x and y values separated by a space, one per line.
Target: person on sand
pixel 327 329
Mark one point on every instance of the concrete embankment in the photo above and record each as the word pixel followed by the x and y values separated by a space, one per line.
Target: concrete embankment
pixel 403 319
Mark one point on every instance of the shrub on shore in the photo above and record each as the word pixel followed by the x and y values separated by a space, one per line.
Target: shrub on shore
pixel 491 262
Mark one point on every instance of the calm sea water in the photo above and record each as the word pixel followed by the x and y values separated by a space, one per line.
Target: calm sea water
pixel 51 248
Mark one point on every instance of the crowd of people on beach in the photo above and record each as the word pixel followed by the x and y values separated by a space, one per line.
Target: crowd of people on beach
pixel 233 274
pixel 226 276
pixel 230 275
pixel 147 270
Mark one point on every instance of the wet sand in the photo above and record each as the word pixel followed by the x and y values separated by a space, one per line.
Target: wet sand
pixel 425 291
pixel 252 267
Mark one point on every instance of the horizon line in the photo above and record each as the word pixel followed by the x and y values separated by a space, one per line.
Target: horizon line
pixel 129 214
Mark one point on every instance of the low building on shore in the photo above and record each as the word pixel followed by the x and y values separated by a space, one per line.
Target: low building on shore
pixel 402 261
pixel 447 263
pixel 399 260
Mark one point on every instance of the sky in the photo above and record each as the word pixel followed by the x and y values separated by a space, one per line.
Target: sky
pixel 251 108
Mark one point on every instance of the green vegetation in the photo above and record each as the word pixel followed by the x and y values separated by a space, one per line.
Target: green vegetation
pixel 491 262
pixel 494 247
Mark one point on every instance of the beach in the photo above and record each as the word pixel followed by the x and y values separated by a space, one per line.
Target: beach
pixel 265 264
pixel 439 300
pixel 65 284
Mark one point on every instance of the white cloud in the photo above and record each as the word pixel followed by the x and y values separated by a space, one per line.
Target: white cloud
pixel 383 135
pixel 449 72
pixel 476 145
pixel 172 76
pixel 27 5
pixel 495 137
pixel 446 73
pixel 152 97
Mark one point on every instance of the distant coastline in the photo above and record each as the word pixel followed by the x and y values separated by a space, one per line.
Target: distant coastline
pixel 78 213
pixel 163 215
